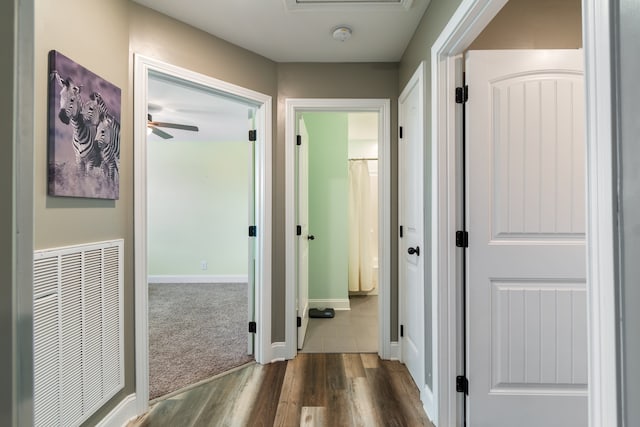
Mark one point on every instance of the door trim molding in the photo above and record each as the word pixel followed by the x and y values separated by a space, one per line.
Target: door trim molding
pixel 383 108
pixel 601 294
pixel 471 17
pixel 263 211
pixel 468 21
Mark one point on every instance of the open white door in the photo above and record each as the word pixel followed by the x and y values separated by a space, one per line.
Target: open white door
pixel 411 218
pixel 251 271
pixel 526 299
pixel 303 238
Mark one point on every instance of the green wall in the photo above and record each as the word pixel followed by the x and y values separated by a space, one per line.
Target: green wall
pixel 328 205
pixel 198 208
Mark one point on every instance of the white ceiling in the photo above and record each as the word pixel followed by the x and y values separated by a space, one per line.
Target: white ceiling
pixel 219 118
pixel 300 30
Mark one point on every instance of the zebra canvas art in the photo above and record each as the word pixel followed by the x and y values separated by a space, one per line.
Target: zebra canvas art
pixel 83 132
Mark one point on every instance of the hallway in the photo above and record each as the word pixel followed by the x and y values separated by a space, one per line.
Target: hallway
pixel 311 390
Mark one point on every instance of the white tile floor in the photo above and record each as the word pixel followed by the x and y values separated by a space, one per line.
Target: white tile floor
pixel 350 331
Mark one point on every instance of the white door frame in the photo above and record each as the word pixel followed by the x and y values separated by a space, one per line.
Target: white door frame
pixel 142 66
pixel 387 349
pixel 471 17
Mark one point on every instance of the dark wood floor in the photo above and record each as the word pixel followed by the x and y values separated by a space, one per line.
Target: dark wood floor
pixel 311 390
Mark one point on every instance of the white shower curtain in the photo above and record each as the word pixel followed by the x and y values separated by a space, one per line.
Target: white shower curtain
pixel 363 228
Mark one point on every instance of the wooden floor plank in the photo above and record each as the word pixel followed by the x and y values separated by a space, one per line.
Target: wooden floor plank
pixel 313 417
pixel 353 365
pixel 225 404
pixel 312 389
pixel 337 413
pixel 387 403
pixel 403 385
pixel 290 403
pixel 266 402
pixel 370 360
pixel 363 412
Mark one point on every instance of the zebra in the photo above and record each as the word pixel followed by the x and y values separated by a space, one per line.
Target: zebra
pixel 94 109
pixel 108 141
pixel 71 104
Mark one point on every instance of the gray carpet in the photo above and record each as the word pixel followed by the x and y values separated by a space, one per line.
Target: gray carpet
pixel 196 331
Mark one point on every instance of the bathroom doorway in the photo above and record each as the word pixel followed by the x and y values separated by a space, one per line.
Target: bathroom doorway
pixel 337 189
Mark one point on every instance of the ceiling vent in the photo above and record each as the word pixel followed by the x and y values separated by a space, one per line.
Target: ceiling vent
pixel 347 4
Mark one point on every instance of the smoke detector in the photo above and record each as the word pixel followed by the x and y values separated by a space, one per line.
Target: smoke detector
pixel 341 33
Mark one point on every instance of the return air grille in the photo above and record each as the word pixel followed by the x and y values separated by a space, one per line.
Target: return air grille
pixel 346 1
pixel 351 5
pixel 78 326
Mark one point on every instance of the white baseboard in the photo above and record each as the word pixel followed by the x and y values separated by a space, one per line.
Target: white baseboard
pixel 336 304
pixel 278 351
pixel 121 414
pixel 394 351
pixel 198 279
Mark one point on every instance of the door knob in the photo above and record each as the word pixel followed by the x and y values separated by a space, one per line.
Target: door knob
pixel 311 237
pixel 415 250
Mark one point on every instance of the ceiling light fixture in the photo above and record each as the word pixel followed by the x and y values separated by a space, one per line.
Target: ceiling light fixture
pixel 341 33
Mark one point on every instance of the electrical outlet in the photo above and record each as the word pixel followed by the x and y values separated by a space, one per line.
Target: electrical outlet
pixel 204 265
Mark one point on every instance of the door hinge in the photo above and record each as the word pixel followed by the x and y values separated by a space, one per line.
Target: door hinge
pixel 299 321
pixel 298 230
pixel 462 239
pixel 253 135
pixel 253 327
pixel 253 231
pixel 462 384
pixel 401 331
pixel 401 231
pixel 298 139
pixel 401 133
pixel 462 94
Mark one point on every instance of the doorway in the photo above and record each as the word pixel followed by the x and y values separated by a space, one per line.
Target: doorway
pixel 200 187
pixel 167 136
pixel 294 299
pixel 465 25
pixel 337 211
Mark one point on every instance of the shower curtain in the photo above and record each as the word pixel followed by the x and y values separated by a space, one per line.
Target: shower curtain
pixel 363 228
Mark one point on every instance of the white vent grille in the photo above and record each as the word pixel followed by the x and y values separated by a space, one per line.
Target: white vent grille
pixel 349 5
pixel 78 331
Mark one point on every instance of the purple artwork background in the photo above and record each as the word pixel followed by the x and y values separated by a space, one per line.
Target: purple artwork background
pixel 60 135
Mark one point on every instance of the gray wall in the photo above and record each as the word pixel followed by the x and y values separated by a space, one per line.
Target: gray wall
pixel 124 28
pixel 534 24
pixel 63 221
pixel 323 80
pixel 7 174
pixel 419 49
pixel 627 91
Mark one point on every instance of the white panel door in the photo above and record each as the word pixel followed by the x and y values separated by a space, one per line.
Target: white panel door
pixel 526 305
pixel 303 238
pixel 411 218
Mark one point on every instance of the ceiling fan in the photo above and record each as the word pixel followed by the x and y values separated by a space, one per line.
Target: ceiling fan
pixel 154 126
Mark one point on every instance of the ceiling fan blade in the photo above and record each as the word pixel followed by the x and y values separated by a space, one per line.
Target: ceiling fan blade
pixel 160 133
pixel 175 126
